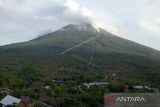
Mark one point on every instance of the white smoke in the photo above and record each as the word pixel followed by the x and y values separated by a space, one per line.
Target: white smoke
pixel 23 19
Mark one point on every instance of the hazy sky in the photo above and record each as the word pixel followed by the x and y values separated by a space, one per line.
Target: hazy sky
pixel 136 20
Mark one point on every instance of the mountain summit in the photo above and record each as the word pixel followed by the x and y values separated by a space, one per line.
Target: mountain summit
pixel 80 27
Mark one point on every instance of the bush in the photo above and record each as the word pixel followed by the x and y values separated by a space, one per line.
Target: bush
pixel 116 87
pixel 30 73
pixel 58 91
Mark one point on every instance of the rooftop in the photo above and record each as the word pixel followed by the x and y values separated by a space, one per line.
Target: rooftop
pixel 9 100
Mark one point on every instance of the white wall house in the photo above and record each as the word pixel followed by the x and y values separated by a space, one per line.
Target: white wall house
pixel 9 100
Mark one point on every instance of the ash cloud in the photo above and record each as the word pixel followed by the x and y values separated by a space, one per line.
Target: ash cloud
pixel 23 20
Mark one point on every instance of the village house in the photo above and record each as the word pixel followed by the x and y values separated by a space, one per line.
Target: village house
pixel 47 87
pixel 58 81
pixel 78 88
pixel 139 87
pixel 88 85
pixel 5 91
pixel 13 101
pixel 9 101
pixel 113 75
pixel 26 102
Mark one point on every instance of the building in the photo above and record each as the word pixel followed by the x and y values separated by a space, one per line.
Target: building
pixel 58 81
pixel 47 87
pixel 5 91
pixel 9 101
pixel 26 102
pixel 139 87
pixel 147 87
pixel 88 85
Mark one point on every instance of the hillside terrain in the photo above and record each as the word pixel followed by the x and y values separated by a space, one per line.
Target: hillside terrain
pixel 77 53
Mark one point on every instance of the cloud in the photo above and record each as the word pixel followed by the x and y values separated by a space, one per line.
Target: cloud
pixel 140 19
pixel 69 11
pixel 25 19
pixel 137 20
pixel 72 5
pixel 152 28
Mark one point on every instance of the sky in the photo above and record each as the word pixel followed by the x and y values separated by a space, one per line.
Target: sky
pixel 136 20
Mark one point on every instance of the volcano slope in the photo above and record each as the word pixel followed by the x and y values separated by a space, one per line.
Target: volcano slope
pixel 80 53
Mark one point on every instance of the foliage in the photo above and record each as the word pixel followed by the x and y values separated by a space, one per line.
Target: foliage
pixel 58 91
pixel 116 87
pixel 31 73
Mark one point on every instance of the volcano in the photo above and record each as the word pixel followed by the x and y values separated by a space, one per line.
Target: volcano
pixel 82 43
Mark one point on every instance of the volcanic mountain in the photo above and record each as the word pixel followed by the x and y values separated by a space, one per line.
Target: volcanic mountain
pixel 82 43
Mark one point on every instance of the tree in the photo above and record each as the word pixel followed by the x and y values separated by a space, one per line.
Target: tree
pixel 18 83
pixel 58 91
pixel 30 73
pixel 1 80
pixel 116 87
